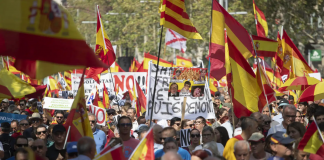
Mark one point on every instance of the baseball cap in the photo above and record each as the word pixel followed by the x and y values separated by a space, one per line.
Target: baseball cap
pixel 256 137
pixel 5 100
pixel 283 102
pixel 72 147
pixel 58 128
pixel 16 112
pixel 282 138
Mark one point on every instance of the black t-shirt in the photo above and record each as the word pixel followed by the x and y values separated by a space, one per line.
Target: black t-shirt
pixel 52 153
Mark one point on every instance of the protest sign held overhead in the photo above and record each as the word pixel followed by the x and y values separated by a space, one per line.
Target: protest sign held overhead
pixel 185 137
pixel 99 113
pixel 57 103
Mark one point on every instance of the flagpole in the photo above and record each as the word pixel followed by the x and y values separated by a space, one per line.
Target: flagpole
pixel 274 72
pixel 156 73
pixel 8 63
pixel 67 135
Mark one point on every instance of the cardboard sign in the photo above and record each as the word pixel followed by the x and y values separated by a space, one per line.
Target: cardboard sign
pixel 167 107
pixel 185 137
pixel 40 107
pixel 124 81
pixel 100 114
pixel 8 117
pixel 58 103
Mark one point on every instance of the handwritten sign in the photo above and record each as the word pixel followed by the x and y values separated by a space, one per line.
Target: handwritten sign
pixel 57 103
pixel 185 137
pixel 99 113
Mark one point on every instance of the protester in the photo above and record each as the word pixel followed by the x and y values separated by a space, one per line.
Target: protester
pixel 98 135
pixel 5 104
pixel 300 154
pixel 258 117
pixel 142 131
pixel 7 141
pixel 281 146
pixel 86 149
pixel 23 126
pixel 40 148
pixel 171 155
pixel 257 143
pixel 57 151
pixel 157 129
pixel 266 111
pixel 21 154
pixel 187 124
pixel 221 135
pixel 288 115
pixel 131 113
pixel 222 112
pixel 200 154
pixel 227 99
pixel 42 133
pixel 111 113
pixel 200 123
pixel 214 148
pixel 15 129
pixel 71 150
pixel 266 125
pixel 170 144
pixel 11 108
pixel 33 108
pixel 319 115
pixel 296 130
pixel 302 107
pixel 59 117
pixel 194 139
pixel 35 121
pixel 141 120
pixel 229 124
pixel 242 150
pixel 208 135
pixel 176 123
pixel 278 118
pixel 124 126
pixel 291 99
pixel 21 142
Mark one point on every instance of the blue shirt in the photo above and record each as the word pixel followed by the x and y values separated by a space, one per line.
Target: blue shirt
pixel 275 158
pixel 182 152
pixel 100 139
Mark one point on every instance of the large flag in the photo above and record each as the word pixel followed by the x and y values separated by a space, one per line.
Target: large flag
pixel 275 78
pixel 43 38
pixel 78 119
pixel 265 85
pixel 175 40
pixel 104 50
pixel 243 82
pixel 265 47
pixel 134 66
pixel 175 17
pixel 183 62
pixel 312 141
pixel 67 77
pixel 236 33
pixel 53 84
pixel 148 57
pixel 12 86
pixel 111 153
pixel 291 57
pixel 260 22
pixel 145 149
pixel 105 97
pixel 9 64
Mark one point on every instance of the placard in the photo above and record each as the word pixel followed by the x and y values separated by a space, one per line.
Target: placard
pixel 185 137
pixel 8 117
pixel 57 103
pixel 99 113
pixel 40 107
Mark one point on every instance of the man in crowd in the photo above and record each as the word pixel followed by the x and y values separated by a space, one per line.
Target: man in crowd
pixel 257 142
pixel 111 113
pixel 23 126
pixel 258 117
pixel 218 103
pixel 242 150
pixel 278 118
pixel 57 151
pixel 59 117
pixel 41 133
pixel 141 120
pixel 281 144
pixel 124 126
pixel 249 126
pixel 288 115
pixel 131 113
pixel 86 149
pixel 142 131
pixel 173 90
pixel 7 141
pixel 15 129
pixel 171 155
pixel 157 135
pixel 39 147
pixel 33 108
pixel 227 99
pixel 319 115
pixel 22 105
pixel 285 97
pixel 291 99
pixel 72 150
pixel 176 123
pixel 5 104
pixel 229 124
pixel 35 120
pixel 200 123
pixel 98 135
pixel 21 142
pixel 171 132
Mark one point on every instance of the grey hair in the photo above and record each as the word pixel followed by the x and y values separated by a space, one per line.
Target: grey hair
pixel 11 108
pixel 239 144
pixel 290 106
pixel 212 146
pixel 93 115
pixel 85 145
pixel 208 128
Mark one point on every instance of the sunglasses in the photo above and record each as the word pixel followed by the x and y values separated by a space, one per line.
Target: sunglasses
pixel 38 133
pixel 125 125
pixel 267 122
pixel 93 121
pixel 22 104
pixel 35 147
pixel 178 124
pixel 35 121
pixel 198 122
pixel 255 143
pixel 190 125
pixel 58 117
pixel 195 135
pixel 206 135
pixel 164 138
pixel 24 124
pixel 22 145
pixel 110 114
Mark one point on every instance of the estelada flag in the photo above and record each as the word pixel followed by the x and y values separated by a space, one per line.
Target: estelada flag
pixel 175 17
pixel 12 86
pixel 78 119
pixel 145 149
pixel 260 22
pixel 265 47
pixel 104 50
pixel 236 33
pixel 311 141
pixel 43 38
pixel 183 62
pixel 111 153
pixel 148 57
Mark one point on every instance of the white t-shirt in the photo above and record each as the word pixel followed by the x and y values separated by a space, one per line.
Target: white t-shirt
pixel 229 128
pixel 277 128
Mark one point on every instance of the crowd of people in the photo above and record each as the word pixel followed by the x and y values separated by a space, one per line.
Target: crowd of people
pixel 272 134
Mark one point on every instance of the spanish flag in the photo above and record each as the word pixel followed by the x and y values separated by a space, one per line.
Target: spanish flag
pixel 265 85
pixel 105 97
pixel 104 50
pixel 78 119
pixel 175 17
pixel 111 153
pixel 67 77
pixel 43 38
pixel 97 101
pixel 12 86
pixel 275 79
pixel 312 141
pixel 183 62
pixel 148 58
pixel 141 97
pixel 10 65
pixel 236 33
pixel 134 66
pixel 53 84
pixel 260 21
pixel 145 149
pixel 265 47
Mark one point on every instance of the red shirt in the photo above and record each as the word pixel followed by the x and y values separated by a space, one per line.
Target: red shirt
pixel 16 134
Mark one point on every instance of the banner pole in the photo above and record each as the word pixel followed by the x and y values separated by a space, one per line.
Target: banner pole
pixel 157 70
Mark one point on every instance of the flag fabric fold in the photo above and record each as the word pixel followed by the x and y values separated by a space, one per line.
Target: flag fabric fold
pixel 145 149
pixel 105 97
pixel 311 141
pixel 141 97
pixel 260 21
pixel 183 62
pixel 265 47
pixel 175 40
pixel 111 153
pixel 148 57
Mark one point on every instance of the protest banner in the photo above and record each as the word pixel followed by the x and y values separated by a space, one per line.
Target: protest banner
pixel 40 107
pixel 185 137
pixel 167 107
pixel 8 117
pixel 99 113
pixel 57 103
pixel 123 80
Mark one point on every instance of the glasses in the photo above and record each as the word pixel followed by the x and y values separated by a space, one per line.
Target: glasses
pixel 255 143
pixel 163 138
pixel 110 114
pixel 195 135
pixel 178 124
pixel 125 125
pixel 93 122
pixel 35 147
pixel 35 121
pixel 22 145
pixel 38 133
pixel 22 104
pixel 198 122
pixel 190 125
pixel 58 117
pixel 265 111
pixel 267 122
pixel 206 135
pixel 24 124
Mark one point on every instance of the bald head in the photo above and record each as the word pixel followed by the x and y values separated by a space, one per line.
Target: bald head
pixel 242 150
pixel 157 133
pixel 258 117
pixel 171 156
pixel 86 146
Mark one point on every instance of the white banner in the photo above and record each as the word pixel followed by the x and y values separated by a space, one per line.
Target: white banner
pixel 57 103
pixel 99 113
pixel 123 80
pixel 167 107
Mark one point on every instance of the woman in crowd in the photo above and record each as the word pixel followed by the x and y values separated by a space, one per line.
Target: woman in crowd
pixel 302 107
pixel 212 146
pixel 195 139
pixel 220 114
pixel 221 135
pixel 296 130
pixel 170 144
pixel 186 124
pixel 208 135
pixel 300 117
pixel 299 154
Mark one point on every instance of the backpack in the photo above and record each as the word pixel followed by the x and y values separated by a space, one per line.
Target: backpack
pixel 8 150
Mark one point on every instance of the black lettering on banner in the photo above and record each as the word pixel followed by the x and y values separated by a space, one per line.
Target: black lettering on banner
pixel 153 69
pixel 159 95
pixel 209 108
pixel 167 108
pixel 175 108
pixel 191 108
pixel 143 80
pixel 185 137
pixel 203 107
pixel 157 108
pixel 163 70
pixel 165 82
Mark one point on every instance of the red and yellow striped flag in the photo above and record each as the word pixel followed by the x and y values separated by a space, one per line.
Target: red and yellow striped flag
pixel 265 85
pixel 145 149
pixel 105 97
pixel 111 154
pixel 10 65
pixel 67 77
pixel 53 84
pixel 43 38
pixel 134 66
pixel 141 97
pixel 311 141
pixel 265 47
pixel 236 33
pixel 104 50
pixel 260 22
pixel 148 57
pixel 183 62
pixel 175 17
